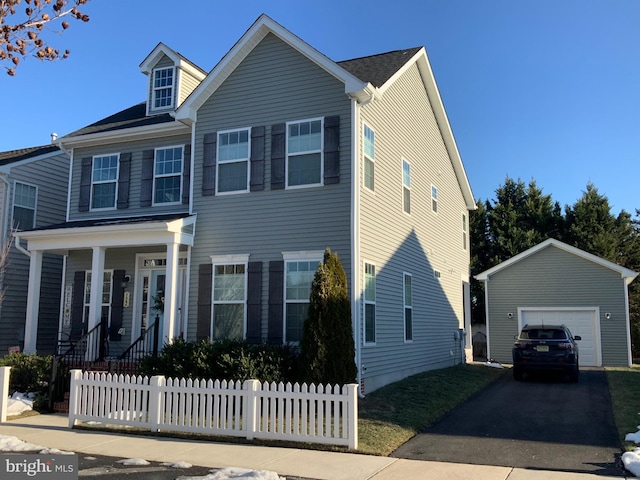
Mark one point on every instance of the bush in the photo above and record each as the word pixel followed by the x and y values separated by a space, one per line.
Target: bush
pixel 30 373
pixel 223 360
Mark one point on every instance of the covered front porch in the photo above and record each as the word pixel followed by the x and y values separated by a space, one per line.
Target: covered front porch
pixel 138 265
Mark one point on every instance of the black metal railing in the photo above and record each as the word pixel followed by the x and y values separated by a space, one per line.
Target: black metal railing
pixel 91 352
pixel 146 344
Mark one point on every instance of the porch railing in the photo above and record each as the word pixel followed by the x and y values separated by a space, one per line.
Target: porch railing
pixel 146 344
pixel 91 352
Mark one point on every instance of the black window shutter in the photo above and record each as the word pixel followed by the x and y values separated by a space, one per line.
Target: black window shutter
pixel 186 174
pixel 124 179
pixel 276 301
pixel 209 164
pixel 254 297
pixel 257 159
pixel 117 303
pixel 278 141
pixel 205 279
pixel 332 150
pixel 77 305
pixel 146 183
pixel 85 185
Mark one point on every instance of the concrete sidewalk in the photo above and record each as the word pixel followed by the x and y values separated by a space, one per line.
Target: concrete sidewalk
pixel 52 431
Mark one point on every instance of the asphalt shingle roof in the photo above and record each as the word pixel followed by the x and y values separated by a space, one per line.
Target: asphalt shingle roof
pixel 374 69
pixel 377 69
pixel 12 156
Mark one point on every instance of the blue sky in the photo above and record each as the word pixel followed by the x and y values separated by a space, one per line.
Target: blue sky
pixel 534 89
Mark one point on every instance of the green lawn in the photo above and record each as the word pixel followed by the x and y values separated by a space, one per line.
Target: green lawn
pixel 624 386
pixel 393 414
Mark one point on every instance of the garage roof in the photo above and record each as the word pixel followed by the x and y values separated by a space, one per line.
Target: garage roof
pixel 625 273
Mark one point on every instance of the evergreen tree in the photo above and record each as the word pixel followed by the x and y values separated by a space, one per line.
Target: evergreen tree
pixel 591 226
pixel 481 251
pixel 327 351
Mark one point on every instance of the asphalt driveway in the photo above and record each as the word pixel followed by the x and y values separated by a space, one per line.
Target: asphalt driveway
pixel 542 423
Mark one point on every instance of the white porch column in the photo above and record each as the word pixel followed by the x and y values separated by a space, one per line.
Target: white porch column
pixel 171 293
pixel 33 302
pixel 97 277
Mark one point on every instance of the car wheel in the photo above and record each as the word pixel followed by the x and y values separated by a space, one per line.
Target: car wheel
pixel 573 374
pixel 517 373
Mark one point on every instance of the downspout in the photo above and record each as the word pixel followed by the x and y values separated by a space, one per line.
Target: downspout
pixel 5 224
pixel 355 242
pixel 355 230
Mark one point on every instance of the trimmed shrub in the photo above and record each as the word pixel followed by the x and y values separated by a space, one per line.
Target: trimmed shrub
pixel 223 360
pixel 30 373
pixel 327 351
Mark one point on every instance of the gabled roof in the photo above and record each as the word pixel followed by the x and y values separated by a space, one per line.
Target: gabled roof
pixel 13 156
pixel 178 60
pixel 252 37
pixel 625 273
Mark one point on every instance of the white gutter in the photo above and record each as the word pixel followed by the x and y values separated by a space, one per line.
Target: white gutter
pixel 20 247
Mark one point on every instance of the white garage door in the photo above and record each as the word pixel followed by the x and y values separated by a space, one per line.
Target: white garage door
pixel 581 322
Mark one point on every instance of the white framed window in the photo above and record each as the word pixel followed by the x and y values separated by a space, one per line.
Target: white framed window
pixel 25 199
pixel 104 181
pixel 229 317
pixel 369 303
pixel 408 307
pixel 304 153
pixel 434 199
pixel 406 186
pixel 369 157
pixel 233 160
pixel 299 269
pixel 167 175
pixel 465 232
pixel 163 86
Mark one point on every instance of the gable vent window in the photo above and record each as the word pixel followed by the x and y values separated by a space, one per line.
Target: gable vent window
pixel 163 82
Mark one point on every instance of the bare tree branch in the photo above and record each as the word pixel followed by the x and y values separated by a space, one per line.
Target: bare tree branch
pixel 21 29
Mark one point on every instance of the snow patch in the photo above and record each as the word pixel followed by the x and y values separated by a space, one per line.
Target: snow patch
pixel 19 403
pixel 133 461
pixel 231 473
pixel 493 365
pixel 631 461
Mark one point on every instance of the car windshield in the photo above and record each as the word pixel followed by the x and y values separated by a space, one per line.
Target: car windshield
pixel 543 334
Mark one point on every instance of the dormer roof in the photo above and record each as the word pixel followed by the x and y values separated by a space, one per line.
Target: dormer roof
pixel 178 60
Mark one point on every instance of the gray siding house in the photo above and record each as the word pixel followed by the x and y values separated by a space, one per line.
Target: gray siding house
pixel 555 283
pixel 208 207
pixel 33 194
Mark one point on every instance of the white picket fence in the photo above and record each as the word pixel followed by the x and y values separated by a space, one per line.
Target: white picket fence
pixel 316 414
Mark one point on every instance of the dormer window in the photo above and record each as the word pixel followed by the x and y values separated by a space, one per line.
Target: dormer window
pixel 163 83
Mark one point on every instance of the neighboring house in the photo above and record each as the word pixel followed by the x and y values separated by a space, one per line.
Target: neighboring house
pixel 33 194
pixel 555 283
pixel 209 205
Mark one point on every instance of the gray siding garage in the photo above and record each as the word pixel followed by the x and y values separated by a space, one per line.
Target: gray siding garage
pixel 555 283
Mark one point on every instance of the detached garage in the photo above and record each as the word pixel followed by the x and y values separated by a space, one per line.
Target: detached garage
pixel 555 283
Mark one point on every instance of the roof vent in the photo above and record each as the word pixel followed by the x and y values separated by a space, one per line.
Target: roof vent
pixel 54 137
